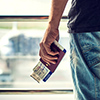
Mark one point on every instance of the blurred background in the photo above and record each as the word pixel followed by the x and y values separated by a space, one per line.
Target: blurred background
pixel 19 53
pixel 19 46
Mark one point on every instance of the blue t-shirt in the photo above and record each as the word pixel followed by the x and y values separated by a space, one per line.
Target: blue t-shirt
pixel 84 16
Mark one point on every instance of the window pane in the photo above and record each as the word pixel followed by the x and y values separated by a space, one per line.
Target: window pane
pixel 19 53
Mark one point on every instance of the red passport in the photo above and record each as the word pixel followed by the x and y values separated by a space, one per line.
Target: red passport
pixel 43 70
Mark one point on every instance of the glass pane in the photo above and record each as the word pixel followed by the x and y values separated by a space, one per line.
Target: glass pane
pixel 26 7
pixel 19 53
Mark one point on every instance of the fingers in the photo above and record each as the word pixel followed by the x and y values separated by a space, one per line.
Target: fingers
pixel 48 50
pixel 47 55
pixel 44 55
pixel 45 58
pixel 49 61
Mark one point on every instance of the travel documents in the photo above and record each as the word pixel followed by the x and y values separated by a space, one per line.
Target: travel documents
pixel 43 70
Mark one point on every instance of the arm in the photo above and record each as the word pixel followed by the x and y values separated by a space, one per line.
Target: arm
pixel 52 32
pixel 57 9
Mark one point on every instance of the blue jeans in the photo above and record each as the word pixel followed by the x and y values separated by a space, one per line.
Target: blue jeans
pixel 85 65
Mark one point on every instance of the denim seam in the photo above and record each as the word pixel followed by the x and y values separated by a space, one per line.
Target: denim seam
pixel 89 49
pixel 93 64
pixel 95 86
pixel 81 51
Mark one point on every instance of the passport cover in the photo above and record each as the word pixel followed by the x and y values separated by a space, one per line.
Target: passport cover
pixel 43 70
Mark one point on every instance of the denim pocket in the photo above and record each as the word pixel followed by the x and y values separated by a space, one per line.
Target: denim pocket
pixel 90 47
pixel 92 56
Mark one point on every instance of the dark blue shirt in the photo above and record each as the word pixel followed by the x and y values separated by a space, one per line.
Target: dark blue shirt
pixel 84 16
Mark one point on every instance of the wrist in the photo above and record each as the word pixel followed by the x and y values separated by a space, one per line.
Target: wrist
pixel 53 25
pixel 53 31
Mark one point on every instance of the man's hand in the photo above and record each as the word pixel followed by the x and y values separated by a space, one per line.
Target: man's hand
pixel 45 52
pixel 52 32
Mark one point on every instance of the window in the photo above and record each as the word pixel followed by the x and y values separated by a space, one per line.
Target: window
pixel 19 46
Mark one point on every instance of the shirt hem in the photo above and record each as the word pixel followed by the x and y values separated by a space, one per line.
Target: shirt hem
pixel 85 29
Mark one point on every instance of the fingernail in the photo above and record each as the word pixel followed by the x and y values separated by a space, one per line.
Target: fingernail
pixel 54 62
pixel 56 58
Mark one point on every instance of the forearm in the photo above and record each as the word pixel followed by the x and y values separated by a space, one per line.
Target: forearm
pixel 57 10
pixel 52 32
